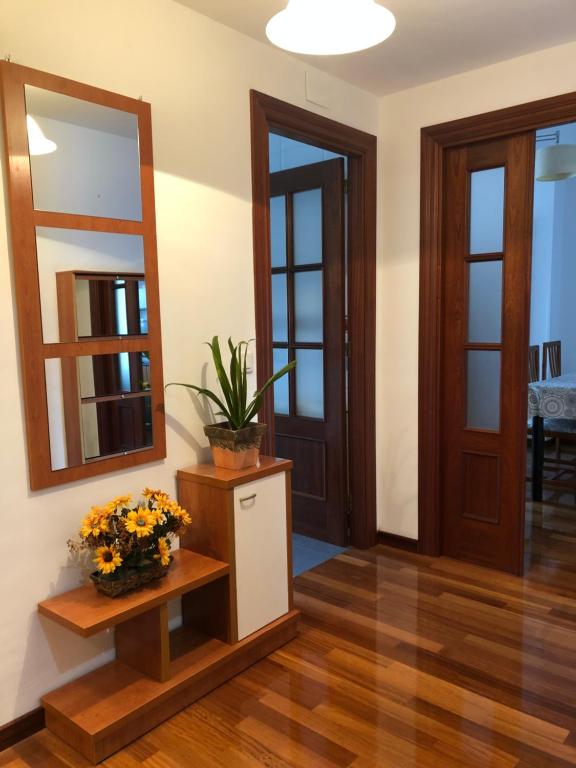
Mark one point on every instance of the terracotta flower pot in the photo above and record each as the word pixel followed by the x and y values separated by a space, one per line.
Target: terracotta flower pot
pixel 235 448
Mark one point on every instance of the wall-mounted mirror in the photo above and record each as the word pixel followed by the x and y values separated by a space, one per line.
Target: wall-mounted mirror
pixel 96 157
pixel 98 406
pixel 91 284
pixel 82 214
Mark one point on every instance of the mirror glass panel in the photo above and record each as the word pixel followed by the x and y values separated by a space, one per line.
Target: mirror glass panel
pixel 84 157
pixel 91 284
pixel 98 406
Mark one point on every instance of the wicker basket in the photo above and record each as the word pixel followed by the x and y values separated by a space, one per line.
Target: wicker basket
pixel 129 581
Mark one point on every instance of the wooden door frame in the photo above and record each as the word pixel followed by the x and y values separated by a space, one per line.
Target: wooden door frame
pixel 435 140
pixel 271 114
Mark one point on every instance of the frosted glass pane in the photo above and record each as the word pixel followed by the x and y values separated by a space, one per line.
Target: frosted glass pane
pixel 487 211
pixel 307 207
pixel 278 230
pixel 279 308
pixel 308 306
pixel 310 383
pixel 282 386
pixel 483 389
pixel 485 302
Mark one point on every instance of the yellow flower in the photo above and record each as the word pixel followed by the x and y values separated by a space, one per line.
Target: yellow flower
pixel 120 502
pixel 95 522
pixel 161 499
pixel 150 493
pixel 158 515
pixel 181 515
pixel 163 552
pixel 140 521
pixel 107 559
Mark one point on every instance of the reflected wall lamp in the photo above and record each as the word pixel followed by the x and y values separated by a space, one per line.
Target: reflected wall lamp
pixel 38 144
pixel 330 27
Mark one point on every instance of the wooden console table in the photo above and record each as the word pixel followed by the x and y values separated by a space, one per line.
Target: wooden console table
pixel 157 672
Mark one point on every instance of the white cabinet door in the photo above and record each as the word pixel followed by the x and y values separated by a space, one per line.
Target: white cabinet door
pixel 261 552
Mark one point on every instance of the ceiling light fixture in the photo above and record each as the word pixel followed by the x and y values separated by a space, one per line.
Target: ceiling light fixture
pixel 330 27
pixel 38 144
pixel 556 163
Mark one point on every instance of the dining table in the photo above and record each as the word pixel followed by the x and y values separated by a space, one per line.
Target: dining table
pixel 552 399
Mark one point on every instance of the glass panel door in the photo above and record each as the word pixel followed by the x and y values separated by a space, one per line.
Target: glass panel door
pixel 298 301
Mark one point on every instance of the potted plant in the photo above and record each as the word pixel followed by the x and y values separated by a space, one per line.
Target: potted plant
pixel 235 442
pixel 131 543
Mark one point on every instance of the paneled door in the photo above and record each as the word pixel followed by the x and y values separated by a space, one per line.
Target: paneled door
pixel 308 308
pixel 486 284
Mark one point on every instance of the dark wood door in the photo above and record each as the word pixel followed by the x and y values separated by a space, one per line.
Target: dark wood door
pixel 486 284
pixel 308 302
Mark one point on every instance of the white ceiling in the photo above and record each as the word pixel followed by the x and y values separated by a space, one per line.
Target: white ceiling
pixel 433 38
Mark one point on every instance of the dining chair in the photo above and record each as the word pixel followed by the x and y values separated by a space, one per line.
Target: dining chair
pixel 533 363
pixel 551 359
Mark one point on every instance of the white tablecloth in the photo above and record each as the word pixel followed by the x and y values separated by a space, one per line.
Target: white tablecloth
pixel 553 398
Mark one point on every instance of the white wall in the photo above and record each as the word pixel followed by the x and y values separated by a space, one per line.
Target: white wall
pixel 542 247
pixel 552 314
pixel 546 73
pixel 197 75
pixel 562 311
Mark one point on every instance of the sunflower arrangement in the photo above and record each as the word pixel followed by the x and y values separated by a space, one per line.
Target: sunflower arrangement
pixel 128 540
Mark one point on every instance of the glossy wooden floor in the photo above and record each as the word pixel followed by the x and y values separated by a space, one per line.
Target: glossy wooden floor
pixel 402 662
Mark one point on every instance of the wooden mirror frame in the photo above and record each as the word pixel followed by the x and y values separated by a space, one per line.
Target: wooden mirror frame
pixel 24 219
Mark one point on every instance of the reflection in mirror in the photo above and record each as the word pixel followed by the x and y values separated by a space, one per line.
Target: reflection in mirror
pixel 91 284
pixel 98 406
pixel 94 169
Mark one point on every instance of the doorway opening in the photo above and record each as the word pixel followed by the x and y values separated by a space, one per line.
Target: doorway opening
pixel 550 523
pixel 315 266
pixel 308 276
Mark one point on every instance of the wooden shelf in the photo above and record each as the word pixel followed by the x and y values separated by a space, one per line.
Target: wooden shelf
pixel 217 477
pixel 86 612
pixel 157 672
pixel 107 708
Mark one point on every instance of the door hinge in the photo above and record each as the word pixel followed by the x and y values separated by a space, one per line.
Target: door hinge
pixel 348 505
pixel 346 349
pixel 345 186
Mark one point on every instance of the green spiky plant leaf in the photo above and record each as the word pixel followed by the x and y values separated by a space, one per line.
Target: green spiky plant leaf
pixel 233 405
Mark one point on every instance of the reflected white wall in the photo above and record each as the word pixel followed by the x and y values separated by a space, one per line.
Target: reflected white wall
pixel 553 315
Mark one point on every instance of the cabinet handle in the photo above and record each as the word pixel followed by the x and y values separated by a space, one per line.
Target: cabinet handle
pixel 248 498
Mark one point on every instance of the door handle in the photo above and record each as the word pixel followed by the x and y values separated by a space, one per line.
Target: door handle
pixel 247 498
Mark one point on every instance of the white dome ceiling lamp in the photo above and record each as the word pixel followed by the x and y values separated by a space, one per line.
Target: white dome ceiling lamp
pixel 556 163
pixel 330 27
pixel 38 144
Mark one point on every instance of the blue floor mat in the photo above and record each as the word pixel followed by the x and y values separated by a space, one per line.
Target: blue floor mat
pixel 307 553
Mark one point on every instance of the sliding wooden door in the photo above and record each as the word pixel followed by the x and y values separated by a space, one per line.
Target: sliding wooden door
pixel 485 331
